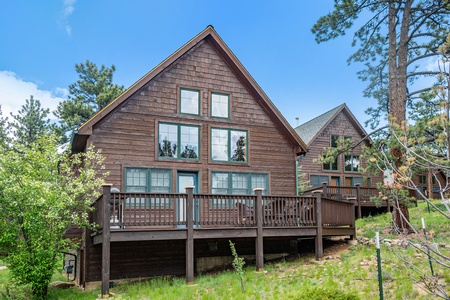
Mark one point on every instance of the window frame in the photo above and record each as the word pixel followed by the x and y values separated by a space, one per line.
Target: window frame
pixel 178 144
pixel 334 141
pixel 353 156
pixel 330 165
pixel 229 145
pixel 320 177
pixel 180 101
pixel 147 202
pixel 211 105
pixel 250 186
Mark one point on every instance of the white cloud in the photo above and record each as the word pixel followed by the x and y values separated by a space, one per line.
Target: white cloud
pixel 14 91
pixel 68 9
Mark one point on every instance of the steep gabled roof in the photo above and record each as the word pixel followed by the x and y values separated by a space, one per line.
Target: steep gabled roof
pixel 310 130
pixel 211 36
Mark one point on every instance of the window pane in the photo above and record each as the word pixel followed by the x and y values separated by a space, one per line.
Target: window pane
pixel 239 184
pixel 219 144
pixel 348 162
pixel 219 105
pixel 219 183
pixel 168 136
pixel 316 180
pixel 189 142
pixel 356 163
pixel 238 146
pixel 160 181
pixel 259 181
pixel 334 141
pixel 136 180
pixel 189 102
pixel 357 180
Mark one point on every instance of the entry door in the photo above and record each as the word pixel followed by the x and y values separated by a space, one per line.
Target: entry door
pixel 335 181
pixel 185 179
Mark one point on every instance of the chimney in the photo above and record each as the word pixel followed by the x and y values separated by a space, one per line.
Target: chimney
pixel 296 121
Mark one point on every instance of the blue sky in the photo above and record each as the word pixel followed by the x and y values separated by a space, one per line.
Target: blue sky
pixel 43 40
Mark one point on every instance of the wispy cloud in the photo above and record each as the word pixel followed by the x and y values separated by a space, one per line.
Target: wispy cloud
pixel 14 91
pixel 68 8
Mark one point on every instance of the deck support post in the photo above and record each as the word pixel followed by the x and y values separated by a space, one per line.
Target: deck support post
pixel 106 239
pixel 190 235
pixel 358 198
pixel 319 239
pixel 259 246
pixel 324 188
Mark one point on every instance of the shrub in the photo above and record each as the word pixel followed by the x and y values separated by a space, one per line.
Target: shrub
pixel 326 293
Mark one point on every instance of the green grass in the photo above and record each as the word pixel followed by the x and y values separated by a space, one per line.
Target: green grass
pixel 352 275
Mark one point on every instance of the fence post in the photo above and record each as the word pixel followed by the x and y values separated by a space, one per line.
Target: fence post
pixel 190 235
pixel 319 240
pixel 106 239
pixel 324 188
pixel 358 198
pixel 259 246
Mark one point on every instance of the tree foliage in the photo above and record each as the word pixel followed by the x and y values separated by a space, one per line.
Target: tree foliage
pixel 4 128
pixel 30 122
pixel 396 40
pixel 42 194
pixel 93 90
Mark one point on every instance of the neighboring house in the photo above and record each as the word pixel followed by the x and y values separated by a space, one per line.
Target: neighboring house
pixel 325 131
pixel 197 119
pixel 438 181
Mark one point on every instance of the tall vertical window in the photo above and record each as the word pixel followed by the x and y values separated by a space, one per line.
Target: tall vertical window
pixel 228 145
pixel 334 141
pixel 352 163
pixel 178 141
pixel 189 101
pixel 220 105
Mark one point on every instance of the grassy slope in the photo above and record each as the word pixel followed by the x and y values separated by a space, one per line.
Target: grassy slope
pixel 353 270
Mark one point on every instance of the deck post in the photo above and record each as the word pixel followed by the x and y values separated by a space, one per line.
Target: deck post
pixel 319 240
pixel 358 198
pixel 106 238
pixel 259 246
pixel 324 187
pixel 190 235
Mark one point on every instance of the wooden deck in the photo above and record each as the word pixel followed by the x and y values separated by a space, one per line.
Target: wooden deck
pixel 128 217
pixel 359 196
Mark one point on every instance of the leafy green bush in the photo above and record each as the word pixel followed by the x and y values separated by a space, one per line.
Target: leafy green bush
pixel 326 293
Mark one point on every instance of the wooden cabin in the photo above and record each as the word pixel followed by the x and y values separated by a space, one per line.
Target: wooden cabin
pixel 197 120
pixel 326 131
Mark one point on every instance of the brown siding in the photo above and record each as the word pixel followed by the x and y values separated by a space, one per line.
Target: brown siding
pixel 128 137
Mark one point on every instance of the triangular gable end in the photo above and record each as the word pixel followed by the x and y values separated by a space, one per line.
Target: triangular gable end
pixel 211 36
pixel 311 129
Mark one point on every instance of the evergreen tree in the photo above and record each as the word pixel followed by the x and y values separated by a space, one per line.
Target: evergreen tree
pixel 93 91
pixel 30 122
pixel 4 129
pixel 240 151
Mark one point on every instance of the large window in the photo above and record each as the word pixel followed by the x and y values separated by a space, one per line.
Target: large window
pixel 178 141
pixel 228 145
pixel 332 166
pixel 352 163
pixel 316 180
pixel 220 105
pixel 238 183
pixel 189 101
pixel 144 180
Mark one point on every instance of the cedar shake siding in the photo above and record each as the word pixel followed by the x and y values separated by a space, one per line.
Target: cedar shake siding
pixel 129 136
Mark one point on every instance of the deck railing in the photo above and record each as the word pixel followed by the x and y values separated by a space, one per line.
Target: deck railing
pixel 134 210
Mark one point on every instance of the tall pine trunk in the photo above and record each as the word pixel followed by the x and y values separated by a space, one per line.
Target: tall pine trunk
pixel 397 94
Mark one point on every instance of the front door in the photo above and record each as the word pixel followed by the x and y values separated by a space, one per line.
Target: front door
pixel 185 179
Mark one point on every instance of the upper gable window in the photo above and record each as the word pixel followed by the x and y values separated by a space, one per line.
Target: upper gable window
pixel 334 141
pixel 189 101
pixel 220 105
